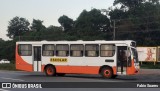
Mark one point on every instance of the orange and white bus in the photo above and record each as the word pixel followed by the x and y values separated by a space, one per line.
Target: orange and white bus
pixel 78 57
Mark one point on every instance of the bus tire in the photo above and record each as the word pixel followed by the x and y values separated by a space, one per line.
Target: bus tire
pixel 50 70
pixel 60 74
pixel 107 72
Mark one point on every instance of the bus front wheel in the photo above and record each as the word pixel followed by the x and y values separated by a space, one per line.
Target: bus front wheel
pixel 107 72
pixel 50 71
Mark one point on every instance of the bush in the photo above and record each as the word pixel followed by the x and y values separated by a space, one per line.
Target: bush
pixel 150 65
pixel 10 66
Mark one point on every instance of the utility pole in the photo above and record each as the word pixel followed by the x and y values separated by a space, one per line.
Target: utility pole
pixel 19 37
pixel 114 30
pixel 114 23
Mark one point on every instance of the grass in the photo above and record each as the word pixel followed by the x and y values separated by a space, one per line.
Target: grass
pixel 10 66
pixel 150 65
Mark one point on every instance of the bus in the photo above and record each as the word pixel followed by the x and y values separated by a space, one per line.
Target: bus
pixel 57 58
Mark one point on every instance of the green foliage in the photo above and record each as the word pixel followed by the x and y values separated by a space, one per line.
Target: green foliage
pixel 150 65
pixel 66 22
pixel 7 50
pixel 140 23
pixel 128 3
pixel 91 24
pixel 137 20
pixel 10 66
pixel 37 25
pixel 93 20
pixel 17 26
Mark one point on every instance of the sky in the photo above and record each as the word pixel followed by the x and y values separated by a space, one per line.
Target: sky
pixel 46 10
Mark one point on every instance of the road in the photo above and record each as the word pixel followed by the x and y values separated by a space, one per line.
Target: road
pixel 145 75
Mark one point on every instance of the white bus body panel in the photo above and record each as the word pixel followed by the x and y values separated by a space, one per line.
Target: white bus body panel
pixel 73 61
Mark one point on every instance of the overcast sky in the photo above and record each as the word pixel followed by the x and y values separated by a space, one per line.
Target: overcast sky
pixel 47 10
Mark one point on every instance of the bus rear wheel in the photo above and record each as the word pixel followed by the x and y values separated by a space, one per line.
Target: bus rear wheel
pixel 107 72
pixel 50 71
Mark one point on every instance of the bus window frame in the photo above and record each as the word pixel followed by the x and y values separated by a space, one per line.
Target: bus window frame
pixel 129 58
pixel 48 50
pixel 19 49
pixel 77 50
pixel 97 51
pixel 67 53
pixel 108 50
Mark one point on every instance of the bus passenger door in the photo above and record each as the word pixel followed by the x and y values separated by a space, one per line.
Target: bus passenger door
pixel 122 60
pixel 37 58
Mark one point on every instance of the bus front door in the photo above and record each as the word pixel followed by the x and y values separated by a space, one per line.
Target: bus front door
pixel 37 58
pixel 121 60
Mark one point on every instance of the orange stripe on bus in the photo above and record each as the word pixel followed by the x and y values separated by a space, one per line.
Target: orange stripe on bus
pixel 42 68
pixel 81 69
pixel 78 69
pixel 131 70
pixel 21 64
pixel 114 70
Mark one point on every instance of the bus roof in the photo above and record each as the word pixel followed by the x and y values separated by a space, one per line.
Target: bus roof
pixel 74 42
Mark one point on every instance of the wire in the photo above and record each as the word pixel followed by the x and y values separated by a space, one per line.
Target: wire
pixel 142 17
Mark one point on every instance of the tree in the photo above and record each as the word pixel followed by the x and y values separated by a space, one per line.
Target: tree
pixel 91 25
pixel 37 25
pixel 154 1
pixel 66 22
pixel 54 28
pixel 17 27
pixel 93 19
pixel 128 3
pixel 7 50
pixel 141 21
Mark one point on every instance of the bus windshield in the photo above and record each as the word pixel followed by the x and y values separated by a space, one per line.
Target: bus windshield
pixel 135 55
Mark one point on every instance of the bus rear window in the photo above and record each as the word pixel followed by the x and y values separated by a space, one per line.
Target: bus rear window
pixel 25 49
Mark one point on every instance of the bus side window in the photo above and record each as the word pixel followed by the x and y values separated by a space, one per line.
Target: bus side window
pixel 62 50
pixel 25 49
pixel 76 50
pixel 107 50
pixel 48 50
pixel 92 50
